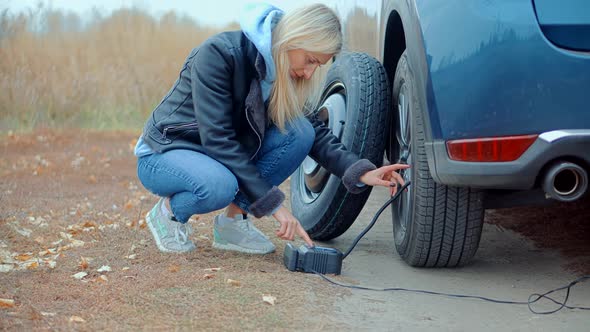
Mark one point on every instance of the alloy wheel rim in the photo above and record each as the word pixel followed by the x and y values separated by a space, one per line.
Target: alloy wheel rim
pixel 402 207
pixel 332 111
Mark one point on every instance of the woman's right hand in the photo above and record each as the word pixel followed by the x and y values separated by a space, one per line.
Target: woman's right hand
pixel 290 226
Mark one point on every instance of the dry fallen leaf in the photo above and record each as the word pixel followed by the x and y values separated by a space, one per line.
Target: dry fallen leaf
pixel 73 231
pixel 6 268
pixel 77 319
pixel 233 282
pixel 208 276
pixel 47 252
pixel 92 179
pixel 24 257
pixel 89 224
pixel 6 303
pixel 128 205
pixel 174 268
pixel 34 315
pixel 213 269
pixel 32 265
pixel 63 248
pixel 104 268
pixel 77 243
pixel 269 299
pixel 22 231
pixel 6 257
pixel 83 263
pixel 65 235
pixel 102 278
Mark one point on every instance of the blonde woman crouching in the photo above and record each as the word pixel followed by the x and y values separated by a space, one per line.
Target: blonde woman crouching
pixel 235 125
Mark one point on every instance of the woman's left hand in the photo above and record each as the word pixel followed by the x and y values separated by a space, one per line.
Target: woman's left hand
pixel 386 176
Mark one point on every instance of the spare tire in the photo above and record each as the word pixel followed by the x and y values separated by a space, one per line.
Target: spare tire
pixel 354 104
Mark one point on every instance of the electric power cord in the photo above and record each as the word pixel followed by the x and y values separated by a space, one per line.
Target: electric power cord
pixel 533 298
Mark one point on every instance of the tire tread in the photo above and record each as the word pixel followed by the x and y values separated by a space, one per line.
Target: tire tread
pixel 447 221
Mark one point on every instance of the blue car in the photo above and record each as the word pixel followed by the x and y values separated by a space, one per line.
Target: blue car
pixel 487 100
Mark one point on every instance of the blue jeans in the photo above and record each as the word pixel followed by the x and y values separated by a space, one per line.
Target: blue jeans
pixel 197 183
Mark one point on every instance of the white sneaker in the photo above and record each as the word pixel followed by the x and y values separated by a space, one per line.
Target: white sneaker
pixel 240 235
pixel 170 235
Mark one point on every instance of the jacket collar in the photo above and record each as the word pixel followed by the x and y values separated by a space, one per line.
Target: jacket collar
pixel 255 59
pixel 255 108
pixel 260 66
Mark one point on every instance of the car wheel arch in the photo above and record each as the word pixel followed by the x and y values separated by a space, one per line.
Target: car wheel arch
pixel 402 24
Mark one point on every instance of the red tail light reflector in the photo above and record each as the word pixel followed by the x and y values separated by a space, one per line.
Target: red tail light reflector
pixel 492 149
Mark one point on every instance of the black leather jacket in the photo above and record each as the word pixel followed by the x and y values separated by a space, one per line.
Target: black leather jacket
pixel 216 107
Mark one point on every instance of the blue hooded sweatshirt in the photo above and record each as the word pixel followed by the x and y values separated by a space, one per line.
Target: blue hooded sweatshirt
pixel 257 22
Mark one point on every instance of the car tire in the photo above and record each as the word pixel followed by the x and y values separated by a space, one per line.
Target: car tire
pixel 434 225
pixel 354 104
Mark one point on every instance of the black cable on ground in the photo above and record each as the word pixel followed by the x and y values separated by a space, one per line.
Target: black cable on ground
pixel 529 302
pixel 533 298
pixel 372 223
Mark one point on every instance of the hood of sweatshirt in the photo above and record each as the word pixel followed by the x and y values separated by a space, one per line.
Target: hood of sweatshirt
pixel 257 22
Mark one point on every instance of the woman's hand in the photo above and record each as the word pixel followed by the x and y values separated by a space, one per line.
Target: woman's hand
pixel 386 176
pixel 290 226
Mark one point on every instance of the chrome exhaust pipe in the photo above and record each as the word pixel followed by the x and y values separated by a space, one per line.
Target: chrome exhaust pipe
pixel 565 182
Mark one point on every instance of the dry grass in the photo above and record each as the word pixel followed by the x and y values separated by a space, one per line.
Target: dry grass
pixel 83 183
pixel 60 70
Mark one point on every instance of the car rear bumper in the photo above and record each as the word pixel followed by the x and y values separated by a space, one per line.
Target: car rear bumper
pixel 521 174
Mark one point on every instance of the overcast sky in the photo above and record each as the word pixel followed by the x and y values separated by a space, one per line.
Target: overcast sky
pixel 213 12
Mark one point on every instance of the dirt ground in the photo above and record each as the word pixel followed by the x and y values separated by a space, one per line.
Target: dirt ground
pixel 561 226
pixel 70 202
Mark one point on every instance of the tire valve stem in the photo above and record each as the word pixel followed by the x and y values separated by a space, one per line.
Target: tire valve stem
pixel 404 157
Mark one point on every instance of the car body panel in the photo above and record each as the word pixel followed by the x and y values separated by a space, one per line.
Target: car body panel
pixel 482 69
pixel 492 71
pixel 500 76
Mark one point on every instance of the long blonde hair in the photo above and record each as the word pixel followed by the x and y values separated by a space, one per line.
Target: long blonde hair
pixel 313 28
